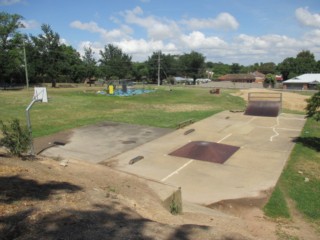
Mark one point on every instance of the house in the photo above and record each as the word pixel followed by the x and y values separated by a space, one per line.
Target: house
pixel 202 80
pixel 259 77
pixel 303 82
pixel 183 80
pixel 279 78
pixel 243 78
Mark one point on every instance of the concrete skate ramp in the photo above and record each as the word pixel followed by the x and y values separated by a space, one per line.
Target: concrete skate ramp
pixel 263 108
pixel 266 104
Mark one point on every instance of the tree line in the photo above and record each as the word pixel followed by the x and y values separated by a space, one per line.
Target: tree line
pixel 50 60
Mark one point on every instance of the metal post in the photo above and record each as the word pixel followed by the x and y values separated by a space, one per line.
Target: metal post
pixel 29 124
pixel 159 68
pixel 25 65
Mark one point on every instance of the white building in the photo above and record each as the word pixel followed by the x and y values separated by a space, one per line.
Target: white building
pixel 303 82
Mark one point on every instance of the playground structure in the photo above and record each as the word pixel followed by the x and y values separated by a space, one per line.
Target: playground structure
pixel 122 88
pixel 264 104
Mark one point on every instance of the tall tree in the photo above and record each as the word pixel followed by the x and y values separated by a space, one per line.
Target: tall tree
pixel 10 46
pixel 139 70
pixel 220 69
pixel 115 63
pixel 287 68
pixel 49 53
pixel 305 62
pixel 268 67
pixel 193 65
pixel 70 64
pixel 235 68
pixel 90 63
pixel 168 66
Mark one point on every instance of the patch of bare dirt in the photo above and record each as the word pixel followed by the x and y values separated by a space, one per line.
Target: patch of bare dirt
pixel 45 199
pixel 182 107
pixel 42 199
pixel 291 101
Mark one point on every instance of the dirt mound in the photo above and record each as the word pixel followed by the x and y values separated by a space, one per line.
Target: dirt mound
pixel 42 199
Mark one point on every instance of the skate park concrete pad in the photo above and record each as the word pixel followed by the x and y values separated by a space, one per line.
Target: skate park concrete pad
pixel 265 144
pixel 102 141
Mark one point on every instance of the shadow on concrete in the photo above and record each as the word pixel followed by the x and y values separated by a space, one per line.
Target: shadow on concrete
pixel 15 188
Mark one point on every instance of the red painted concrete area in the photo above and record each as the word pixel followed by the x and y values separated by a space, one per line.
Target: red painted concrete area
pixel 206 151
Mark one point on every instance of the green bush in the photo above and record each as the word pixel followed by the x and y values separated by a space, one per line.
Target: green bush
pixel 15 138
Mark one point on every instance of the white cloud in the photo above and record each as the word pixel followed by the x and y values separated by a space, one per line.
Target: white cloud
pixel 272 47
pixel 90 26
pixel 172 37
pixel 141 49
pixel 93 27
pixel 95 46
pixel 197 40
pixel 158 29
pixel 30 24
pixel 224 21
pixel 307 18
pixel 64 41
pixel 252 42
pixel 9 2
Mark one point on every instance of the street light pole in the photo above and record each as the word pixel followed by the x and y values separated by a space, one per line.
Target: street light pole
pixel 25 65
pixel 159 68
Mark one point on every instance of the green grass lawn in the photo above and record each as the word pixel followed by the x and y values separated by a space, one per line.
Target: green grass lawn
pixel 73 107
pixel 300 180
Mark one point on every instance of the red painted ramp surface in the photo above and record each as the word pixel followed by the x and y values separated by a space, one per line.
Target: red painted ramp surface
pixel 263 108
pixel 206 151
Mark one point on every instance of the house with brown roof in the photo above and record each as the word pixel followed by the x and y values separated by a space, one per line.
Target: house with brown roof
pixel 242 78
pixel 260 77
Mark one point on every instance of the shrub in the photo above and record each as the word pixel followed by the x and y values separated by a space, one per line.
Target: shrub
pixel 15 138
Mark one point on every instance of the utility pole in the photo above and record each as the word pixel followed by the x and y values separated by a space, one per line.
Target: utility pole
pixel 159 68
pixel 25 65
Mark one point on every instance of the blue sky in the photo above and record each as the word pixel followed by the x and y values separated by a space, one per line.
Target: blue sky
pixel 228 31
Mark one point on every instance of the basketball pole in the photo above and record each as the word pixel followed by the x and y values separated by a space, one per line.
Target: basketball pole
pixel 29 123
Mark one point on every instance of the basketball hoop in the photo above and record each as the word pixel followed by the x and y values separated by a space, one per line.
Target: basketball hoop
pixel 40 95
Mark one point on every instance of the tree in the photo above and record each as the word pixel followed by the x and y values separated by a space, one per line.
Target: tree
pixel 235 68
pixel 115 63
pixel 90 63
pixel 305 62
pixel 268 67
pixel 70 65
pixel 287 68
pixel 10 46
pixel 193 65
pixel 49 54
pixel 270 79
pixel 313 107
pixel 220 69
pixel 139 70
